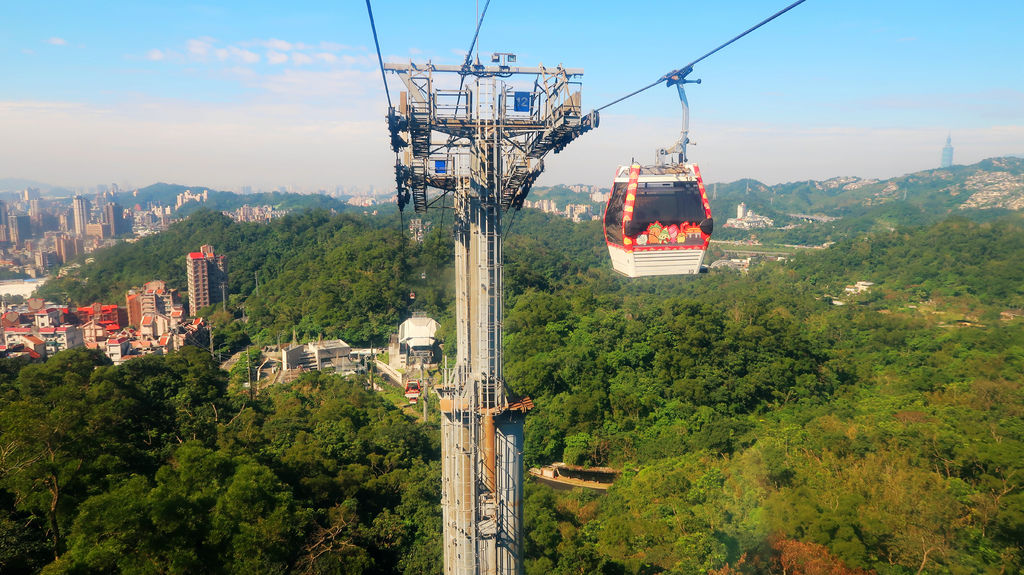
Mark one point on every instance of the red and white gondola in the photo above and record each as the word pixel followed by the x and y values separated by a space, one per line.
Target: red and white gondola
pixel 658 220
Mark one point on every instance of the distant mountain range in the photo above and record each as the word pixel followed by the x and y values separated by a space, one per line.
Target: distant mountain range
pixel 995 185
pixel 166 194
pixel 13 185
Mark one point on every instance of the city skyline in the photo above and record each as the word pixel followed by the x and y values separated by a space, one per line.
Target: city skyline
pixel 228 95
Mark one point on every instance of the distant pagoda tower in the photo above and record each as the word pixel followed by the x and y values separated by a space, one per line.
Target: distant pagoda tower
pixel 947 153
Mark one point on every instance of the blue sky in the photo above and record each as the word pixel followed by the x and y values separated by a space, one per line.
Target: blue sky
pixel 271 94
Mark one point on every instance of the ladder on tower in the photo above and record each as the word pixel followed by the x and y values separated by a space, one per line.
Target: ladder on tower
pixel 418 184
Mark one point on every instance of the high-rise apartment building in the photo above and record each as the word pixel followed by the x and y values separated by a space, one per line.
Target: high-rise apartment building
pixel 5 235
pixel 207 278
pixel 19 228
pixel 80 206
pixel 68 247
pixel 116 224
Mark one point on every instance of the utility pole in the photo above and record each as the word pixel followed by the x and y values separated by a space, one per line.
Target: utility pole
pixel 483 143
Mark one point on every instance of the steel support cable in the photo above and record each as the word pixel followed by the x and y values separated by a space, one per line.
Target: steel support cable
pixel 677 76
pixel 387 93
pixel 476 34
pixel 465 65
pixel 380 59
pixel 512 222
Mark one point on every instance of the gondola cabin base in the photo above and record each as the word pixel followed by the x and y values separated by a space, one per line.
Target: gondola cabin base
pixel 658 220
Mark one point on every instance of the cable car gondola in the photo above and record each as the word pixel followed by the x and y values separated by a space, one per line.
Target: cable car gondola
pixel 658 220
pixel 412 390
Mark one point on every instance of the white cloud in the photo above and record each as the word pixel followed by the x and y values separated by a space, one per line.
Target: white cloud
pixel 199 48
pixel 333 46
pixel 28 51
pixel 365 60
pixel 57 41
pixel 322 84
pixel 236 54
pixel 279 45
pixel 276 57
pixel 244 55
pixel 278 52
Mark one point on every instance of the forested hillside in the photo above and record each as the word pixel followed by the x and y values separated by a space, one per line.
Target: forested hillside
pixel 322 274
pixel 156 466
pixel 760 427
pixel 755 419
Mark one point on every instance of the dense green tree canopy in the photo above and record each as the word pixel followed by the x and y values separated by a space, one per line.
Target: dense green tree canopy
pixel 760 427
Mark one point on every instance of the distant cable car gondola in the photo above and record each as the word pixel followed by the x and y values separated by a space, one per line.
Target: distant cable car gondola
pixel 412 390
pixel 658 220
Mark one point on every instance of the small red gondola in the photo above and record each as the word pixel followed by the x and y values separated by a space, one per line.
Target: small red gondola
pixel 412 390
pixel 658 220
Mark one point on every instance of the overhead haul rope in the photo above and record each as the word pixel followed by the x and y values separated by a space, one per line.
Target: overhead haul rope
pixel 465 65
pixel 387 93
pixel 458 97
pixel 380 59
pixel 676 76
pixel 476 34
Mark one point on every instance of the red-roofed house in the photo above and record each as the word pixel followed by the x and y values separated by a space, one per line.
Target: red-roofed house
pixel 13 335
pixel 18 350
pixel 117 349
pixel 94 332
pixel 110 313
pixel 10 319
pixel 154 325
pixel 48 317
pixel 29 341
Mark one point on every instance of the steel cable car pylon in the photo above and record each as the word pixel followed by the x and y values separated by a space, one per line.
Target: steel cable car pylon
pixel 484 144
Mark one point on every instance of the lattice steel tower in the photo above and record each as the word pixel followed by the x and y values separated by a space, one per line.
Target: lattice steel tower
pixel 482 142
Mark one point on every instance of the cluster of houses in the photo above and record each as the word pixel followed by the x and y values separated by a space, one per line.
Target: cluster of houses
pixel 153 321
